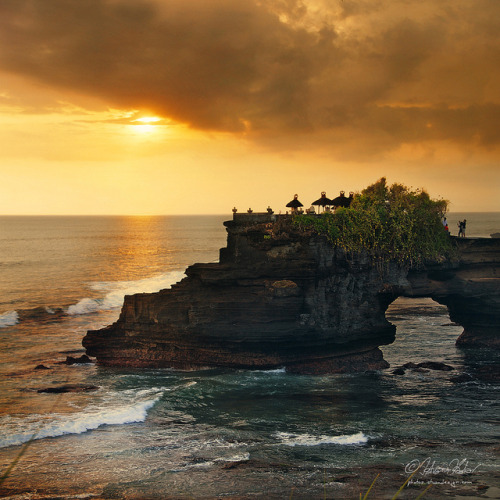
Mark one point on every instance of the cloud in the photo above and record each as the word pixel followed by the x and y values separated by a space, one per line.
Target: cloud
pixel 360 77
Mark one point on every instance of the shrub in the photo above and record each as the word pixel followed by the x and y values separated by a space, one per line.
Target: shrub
pixel 393 223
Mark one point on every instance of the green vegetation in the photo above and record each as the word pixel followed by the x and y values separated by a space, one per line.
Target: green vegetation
pixel 394 223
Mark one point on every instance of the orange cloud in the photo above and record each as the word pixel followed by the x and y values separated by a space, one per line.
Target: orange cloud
pixel 285 73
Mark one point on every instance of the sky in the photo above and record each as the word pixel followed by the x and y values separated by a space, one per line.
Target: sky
pixel 149 107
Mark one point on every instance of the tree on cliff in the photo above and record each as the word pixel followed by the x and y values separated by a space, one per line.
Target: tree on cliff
pixel 394 223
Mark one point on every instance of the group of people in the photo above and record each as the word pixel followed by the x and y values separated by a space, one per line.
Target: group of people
pixel 461 227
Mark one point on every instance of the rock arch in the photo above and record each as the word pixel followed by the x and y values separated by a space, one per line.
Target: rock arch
pixel 468 287
pixel 291 299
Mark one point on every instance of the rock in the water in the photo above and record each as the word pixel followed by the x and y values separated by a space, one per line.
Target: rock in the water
pixel 399 371
pixel 435 365
pixel 410 365
pixel 69 388
pixel 425 366
pixel 41 367
pixel 420 370
pixel 83 359
pixel 283 297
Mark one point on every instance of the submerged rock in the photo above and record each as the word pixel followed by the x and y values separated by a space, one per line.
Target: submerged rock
pixel 435 365
pixel 69 388
pixel 284 297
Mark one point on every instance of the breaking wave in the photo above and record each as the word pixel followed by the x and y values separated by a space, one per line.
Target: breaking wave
pixel 59 425
pixel 113 295
pixel 289 439
pixel 116 291
pixel 9 318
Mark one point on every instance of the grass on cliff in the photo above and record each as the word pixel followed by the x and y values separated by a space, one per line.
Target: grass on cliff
pixel 394 223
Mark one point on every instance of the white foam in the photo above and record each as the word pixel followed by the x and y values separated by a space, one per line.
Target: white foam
pixel 289 439
pixel 241 457
pixel 275 370
pixel 9 318
pixel 116 291
pixel 90 419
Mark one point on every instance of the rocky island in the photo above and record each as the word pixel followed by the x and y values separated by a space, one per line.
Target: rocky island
pixel 282 295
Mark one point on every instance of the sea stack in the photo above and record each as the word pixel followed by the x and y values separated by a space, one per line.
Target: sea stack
pixel 280 296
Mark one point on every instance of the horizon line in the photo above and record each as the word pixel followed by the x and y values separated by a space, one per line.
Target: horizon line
pixel 196 214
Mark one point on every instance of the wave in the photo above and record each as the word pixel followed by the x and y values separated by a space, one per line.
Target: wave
pixel 116 291
pixel 9 318
pixel 241 457
pixel 289 439
pixel 274 370
pixel 76 424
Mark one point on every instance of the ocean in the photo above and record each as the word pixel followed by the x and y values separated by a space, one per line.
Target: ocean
pixel 144 433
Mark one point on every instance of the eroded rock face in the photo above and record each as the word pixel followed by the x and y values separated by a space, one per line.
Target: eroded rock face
pixel 470 288
pixel 276 298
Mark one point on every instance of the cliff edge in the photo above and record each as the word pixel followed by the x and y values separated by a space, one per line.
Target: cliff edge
pixel 283 297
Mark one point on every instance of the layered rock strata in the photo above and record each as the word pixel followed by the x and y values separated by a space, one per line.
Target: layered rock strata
pixel 279 297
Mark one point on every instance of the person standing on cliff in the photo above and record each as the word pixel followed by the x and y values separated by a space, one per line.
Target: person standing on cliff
pixel 461 228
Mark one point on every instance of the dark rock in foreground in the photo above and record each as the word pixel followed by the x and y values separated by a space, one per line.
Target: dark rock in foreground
pixel 279 297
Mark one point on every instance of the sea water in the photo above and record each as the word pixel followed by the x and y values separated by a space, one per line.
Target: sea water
pixel 149 433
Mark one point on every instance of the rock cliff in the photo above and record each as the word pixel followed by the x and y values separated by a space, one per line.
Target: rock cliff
pixel 279 297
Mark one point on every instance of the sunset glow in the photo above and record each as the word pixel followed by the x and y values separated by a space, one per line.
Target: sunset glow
pixel 148 119
pixel 247 104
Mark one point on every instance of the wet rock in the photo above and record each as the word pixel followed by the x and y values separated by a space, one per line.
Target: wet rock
pixel 410 365
pixel 83 359
pixel 282 297
pixel 41 367
pixel 420 370
pixel 40 314
pixel 68 388
pixel 399 371
pixel 435 365
pixel 427 365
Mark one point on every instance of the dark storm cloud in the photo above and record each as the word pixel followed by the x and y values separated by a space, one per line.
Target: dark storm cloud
pixel 384 74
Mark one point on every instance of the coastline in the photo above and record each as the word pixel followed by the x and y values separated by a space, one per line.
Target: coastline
pixel 248 479
pixel 227 417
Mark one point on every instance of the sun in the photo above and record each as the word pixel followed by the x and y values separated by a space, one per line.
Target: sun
pixel 145 124
pixel 147 119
